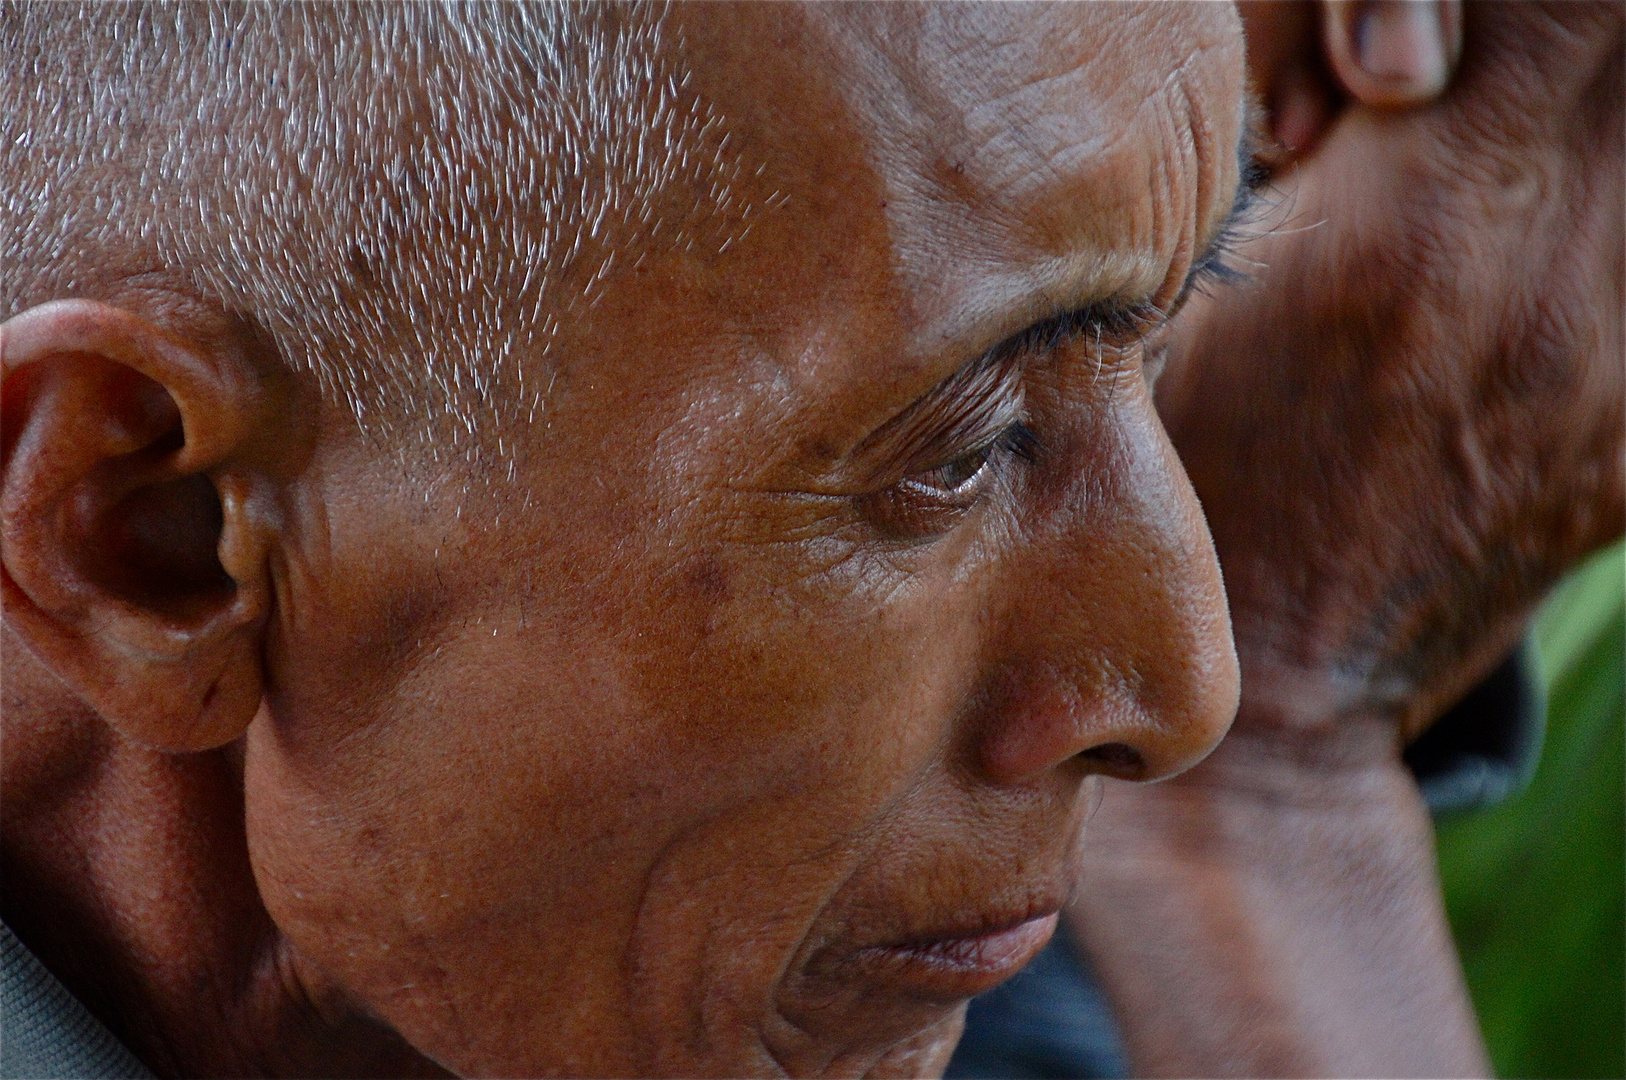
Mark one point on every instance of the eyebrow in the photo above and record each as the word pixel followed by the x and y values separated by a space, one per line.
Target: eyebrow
pixel 988 389
pixel 1115 318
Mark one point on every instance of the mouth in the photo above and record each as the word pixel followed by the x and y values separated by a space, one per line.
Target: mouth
pixel 953 964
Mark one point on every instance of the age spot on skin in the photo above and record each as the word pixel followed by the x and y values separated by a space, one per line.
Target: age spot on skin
pixel 708 578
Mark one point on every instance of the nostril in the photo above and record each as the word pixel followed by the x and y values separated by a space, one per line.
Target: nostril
pixel 1116 759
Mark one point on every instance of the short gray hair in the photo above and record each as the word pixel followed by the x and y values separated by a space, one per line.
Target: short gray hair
pixel 396 195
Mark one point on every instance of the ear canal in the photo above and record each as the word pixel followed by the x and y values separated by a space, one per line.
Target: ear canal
pixel 152 534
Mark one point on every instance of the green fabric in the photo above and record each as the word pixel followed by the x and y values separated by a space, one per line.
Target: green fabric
pixel 1536 888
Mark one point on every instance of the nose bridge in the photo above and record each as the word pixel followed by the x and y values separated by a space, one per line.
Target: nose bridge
pixel 1117 645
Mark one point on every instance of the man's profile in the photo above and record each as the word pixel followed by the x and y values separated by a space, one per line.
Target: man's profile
pixel 589 540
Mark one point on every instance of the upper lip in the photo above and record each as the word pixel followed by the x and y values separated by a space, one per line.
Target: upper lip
pixel 918 928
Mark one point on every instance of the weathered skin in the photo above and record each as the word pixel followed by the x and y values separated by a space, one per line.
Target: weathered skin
pixel 620 768
pixel 1402 432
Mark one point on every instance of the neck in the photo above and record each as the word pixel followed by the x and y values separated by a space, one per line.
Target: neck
pixel 127 873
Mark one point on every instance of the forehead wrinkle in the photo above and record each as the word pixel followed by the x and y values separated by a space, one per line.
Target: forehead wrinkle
pixel 1177 117
pixel 955 217
pixel 1069 263
pixel 1219 193
pixel 1032 130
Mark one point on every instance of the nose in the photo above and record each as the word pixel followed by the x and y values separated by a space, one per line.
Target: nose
pixel 1116 649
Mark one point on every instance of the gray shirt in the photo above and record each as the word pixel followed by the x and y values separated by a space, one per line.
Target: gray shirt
pixel 45 1032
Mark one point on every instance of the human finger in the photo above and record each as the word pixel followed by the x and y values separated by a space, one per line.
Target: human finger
pixel 1392 53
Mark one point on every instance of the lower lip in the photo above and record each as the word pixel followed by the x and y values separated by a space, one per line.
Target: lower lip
pixel 951 969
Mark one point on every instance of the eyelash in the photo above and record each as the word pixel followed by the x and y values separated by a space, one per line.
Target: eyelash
pixel 1218 267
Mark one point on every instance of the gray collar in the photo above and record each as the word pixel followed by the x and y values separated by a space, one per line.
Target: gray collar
pixel 45 1032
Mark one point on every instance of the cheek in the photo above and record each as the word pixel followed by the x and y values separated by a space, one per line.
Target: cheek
pixel 797 711
pixel 801 695
pixel 586 790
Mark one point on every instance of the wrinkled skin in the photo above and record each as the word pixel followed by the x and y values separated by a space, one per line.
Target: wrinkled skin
pixel 656 760
pixel 1403 430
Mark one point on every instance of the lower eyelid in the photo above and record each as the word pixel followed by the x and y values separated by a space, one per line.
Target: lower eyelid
pixel 920 518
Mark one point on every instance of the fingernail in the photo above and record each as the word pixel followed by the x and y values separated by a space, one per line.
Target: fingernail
pixel 1403 43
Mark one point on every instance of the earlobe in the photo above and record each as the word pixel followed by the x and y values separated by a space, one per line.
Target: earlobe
pixel 131 560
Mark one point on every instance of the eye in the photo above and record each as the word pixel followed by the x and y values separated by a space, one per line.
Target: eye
pixel 960 479
pixel 930 503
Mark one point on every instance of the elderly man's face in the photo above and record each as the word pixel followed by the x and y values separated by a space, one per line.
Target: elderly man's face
pixel 749 728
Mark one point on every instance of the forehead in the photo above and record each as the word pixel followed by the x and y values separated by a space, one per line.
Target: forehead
pixel 1033 123
pixel 992 163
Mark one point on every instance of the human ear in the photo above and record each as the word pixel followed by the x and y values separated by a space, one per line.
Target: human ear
pixel 134 535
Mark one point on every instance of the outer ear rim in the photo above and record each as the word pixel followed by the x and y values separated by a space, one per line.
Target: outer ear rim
pixel 201 685
pixel 58 327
